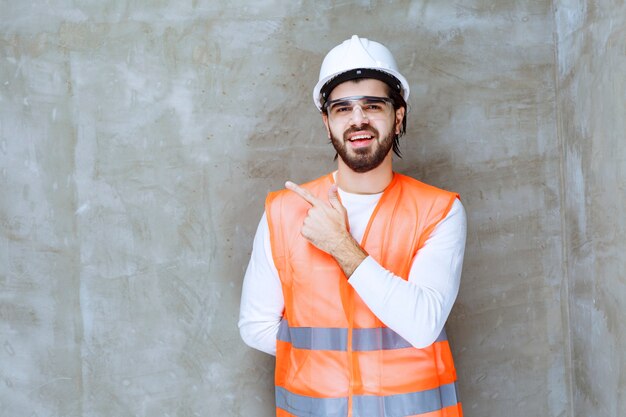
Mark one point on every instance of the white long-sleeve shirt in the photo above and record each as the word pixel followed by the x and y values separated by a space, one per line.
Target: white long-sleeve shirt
pixel 416 309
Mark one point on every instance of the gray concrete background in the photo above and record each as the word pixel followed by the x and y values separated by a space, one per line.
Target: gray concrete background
pixel 591 85
pixel 137 143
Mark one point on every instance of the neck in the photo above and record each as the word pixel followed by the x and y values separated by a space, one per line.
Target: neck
pixel 370 182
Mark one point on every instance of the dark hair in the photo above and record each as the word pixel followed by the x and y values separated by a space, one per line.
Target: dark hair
pixel 398 102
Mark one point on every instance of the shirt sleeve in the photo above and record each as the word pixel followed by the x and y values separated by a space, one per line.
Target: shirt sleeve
pixel 418 308
pixel 262 303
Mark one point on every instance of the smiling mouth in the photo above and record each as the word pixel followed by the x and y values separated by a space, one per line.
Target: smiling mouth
pixel 362 141
pixel 357 138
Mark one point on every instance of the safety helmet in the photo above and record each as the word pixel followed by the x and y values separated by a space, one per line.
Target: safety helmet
pixel 358 58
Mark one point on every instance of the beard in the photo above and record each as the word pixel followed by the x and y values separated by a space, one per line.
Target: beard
pixel 363 159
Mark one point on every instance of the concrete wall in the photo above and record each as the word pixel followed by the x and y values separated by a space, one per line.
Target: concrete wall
pixel 592 120
pixel 137 143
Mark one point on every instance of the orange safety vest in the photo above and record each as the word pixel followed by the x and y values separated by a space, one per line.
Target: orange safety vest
pixel 334 358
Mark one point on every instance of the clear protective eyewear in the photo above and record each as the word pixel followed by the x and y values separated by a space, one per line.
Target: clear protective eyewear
pixel 371 107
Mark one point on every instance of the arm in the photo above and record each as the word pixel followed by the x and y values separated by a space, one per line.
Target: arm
pixel 262 303
pixel 418 308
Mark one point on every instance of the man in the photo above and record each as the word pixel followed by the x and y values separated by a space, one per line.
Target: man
pixel 353 275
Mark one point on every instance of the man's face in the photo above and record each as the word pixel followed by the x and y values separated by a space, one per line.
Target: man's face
pixel 362 138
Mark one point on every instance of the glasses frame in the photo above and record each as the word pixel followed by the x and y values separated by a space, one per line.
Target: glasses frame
pixel 355 99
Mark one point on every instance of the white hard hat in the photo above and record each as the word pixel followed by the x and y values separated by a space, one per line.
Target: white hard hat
pixel 358 58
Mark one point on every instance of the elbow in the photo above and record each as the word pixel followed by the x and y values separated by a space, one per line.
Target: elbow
pixel 431 329
pixel 420 344
pixel 258 338
pixel 430 323
pixel 247 335
pixel 425 339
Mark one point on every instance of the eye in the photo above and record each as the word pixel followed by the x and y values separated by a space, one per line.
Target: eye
pixel 341 108
pixel 374 105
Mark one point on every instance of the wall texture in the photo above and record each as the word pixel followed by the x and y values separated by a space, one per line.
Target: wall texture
pixel 137 143
pixel 592 121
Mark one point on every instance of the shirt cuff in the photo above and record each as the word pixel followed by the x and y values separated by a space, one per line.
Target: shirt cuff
pixel 365 269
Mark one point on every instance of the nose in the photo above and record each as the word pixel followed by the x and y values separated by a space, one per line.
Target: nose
pixel 358 116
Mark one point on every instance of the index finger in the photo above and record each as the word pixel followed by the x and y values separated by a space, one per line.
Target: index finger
pixel 305 194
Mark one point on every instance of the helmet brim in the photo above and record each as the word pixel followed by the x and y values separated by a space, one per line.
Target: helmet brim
pixel 394 79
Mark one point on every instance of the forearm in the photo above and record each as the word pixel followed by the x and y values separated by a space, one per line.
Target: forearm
pixel 415 312
pixel 417 308
pixel 348 254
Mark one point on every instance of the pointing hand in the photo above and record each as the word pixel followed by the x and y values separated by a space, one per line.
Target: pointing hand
pixel 326 227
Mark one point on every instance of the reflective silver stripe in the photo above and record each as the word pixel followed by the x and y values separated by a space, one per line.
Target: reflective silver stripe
pixel 377 339
pixel 405 404
pixel 368 405
pixel 314 338
pixel 303 406
pixel 333 338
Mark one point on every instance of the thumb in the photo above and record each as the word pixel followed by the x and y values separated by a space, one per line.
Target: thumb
pixel 333 198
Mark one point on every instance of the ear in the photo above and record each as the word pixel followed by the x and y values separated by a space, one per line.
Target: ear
pixel 325 120
pixel 399 118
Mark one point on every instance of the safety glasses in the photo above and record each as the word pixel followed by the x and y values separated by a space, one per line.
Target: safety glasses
pixel 371 107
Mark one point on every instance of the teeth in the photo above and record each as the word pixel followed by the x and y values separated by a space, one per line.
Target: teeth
pixel 358 137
